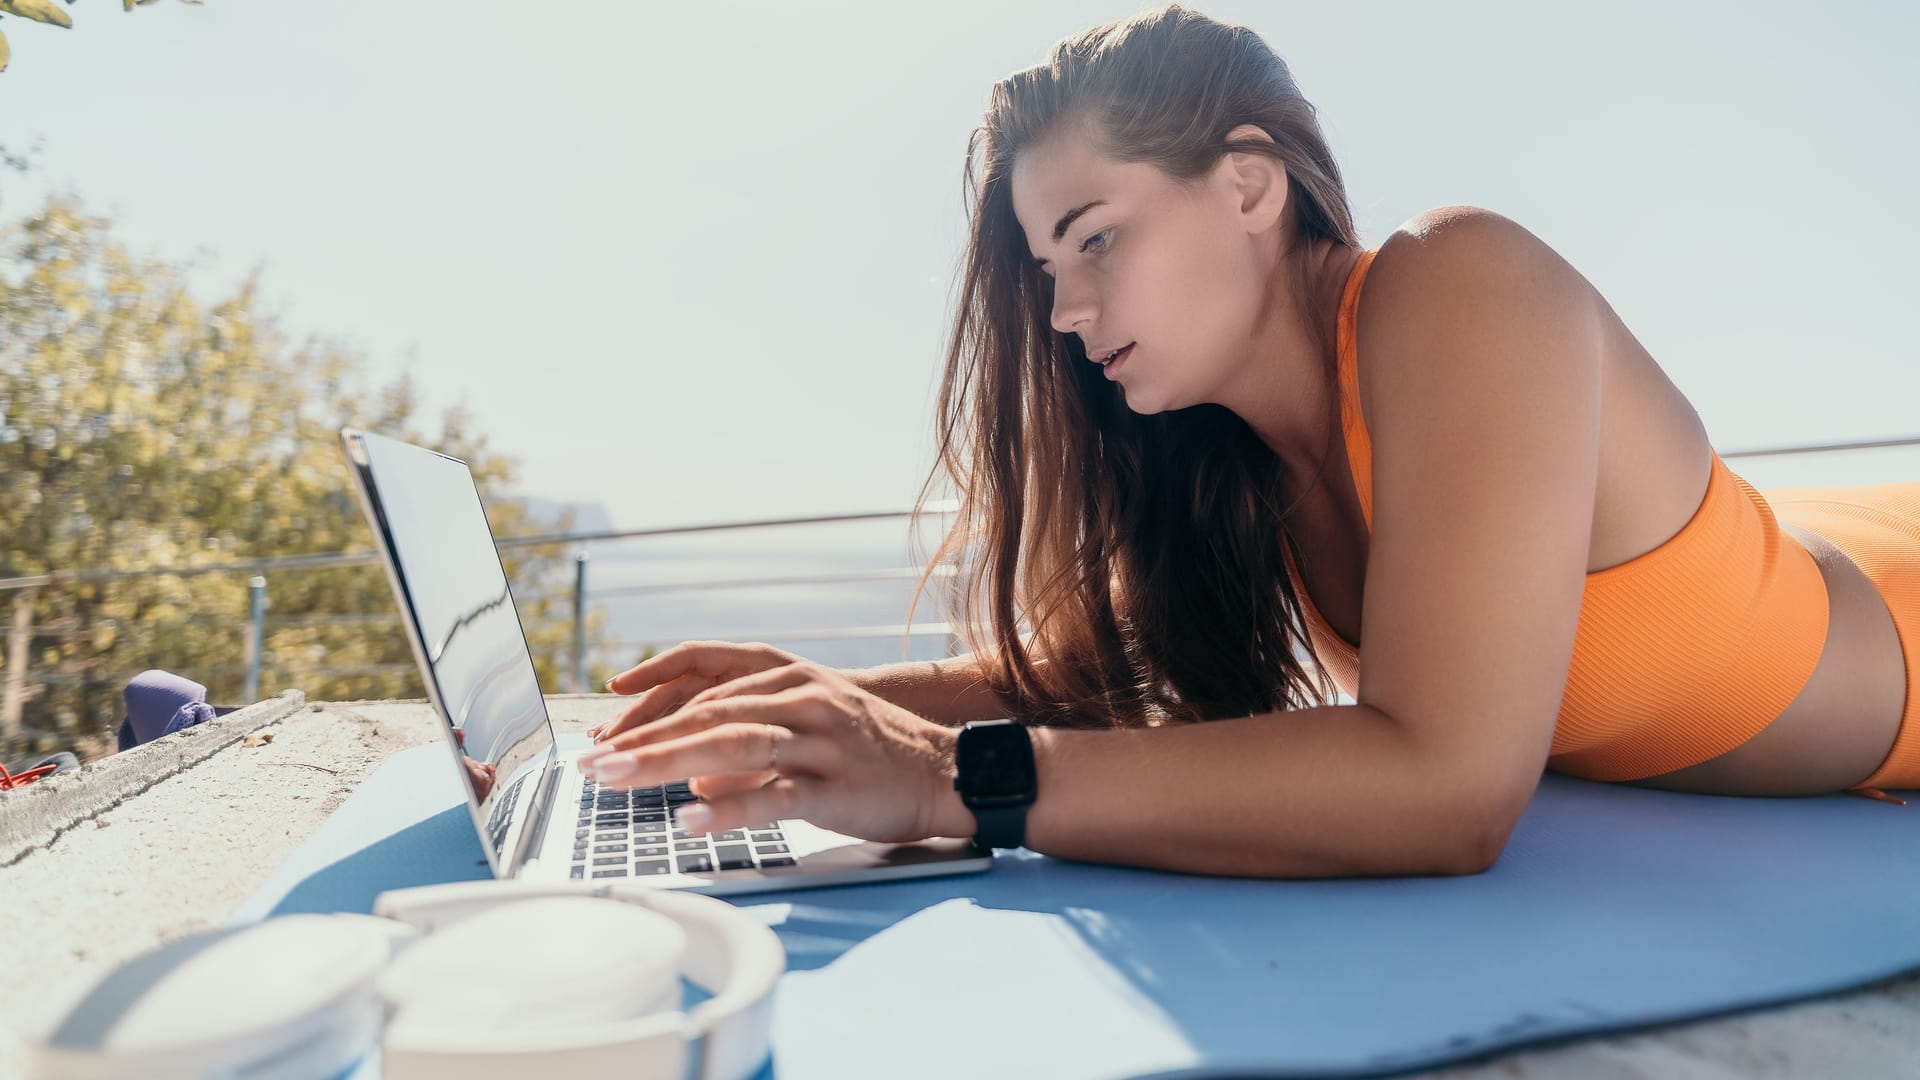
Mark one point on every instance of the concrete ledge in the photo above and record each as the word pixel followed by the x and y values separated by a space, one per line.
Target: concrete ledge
pixel 34 816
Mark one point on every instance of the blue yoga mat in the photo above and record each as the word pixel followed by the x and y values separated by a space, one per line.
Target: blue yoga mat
pixel 1612 908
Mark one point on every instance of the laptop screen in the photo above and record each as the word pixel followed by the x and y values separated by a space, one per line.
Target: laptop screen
pixel 426 514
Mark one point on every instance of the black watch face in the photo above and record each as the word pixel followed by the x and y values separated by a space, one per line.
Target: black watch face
pixel 997 762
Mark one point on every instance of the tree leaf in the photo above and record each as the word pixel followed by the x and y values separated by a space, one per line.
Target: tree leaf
pixel 45 11
pixel 144 424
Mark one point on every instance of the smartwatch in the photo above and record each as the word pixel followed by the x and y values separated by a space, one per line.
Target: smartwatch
pixel 996 780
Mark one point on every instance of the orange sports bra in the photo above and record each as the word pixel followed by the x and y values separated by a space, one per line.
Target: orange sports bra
pixel 1680 655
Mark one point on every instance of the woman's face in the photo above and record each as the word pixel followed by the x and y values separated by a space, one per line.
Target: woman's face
pixel 1175 274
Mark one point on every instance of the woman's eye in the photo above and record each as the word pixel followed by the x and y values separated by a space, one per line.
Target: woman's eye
pixel 1098 240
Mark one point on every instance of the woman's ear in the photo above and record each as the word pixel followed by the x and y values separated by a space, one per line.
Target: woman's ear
pixel 1256 182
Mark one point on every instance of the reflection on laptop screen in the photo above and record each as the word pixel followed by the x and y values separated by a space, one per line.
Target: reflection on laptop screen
pixel 483 674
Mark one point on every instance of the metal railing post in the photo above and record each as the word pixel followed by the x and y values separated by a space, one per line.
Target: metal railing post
pixel 580 621
pixel 19 645
pixel 256 637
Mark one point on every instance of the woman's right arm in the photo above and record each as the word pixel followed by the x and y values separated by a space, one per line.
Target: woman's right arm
pixel 949 692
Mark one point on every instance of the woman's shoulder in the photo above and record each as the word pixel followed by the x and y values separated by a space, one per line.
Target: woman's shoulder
pixel 1462 273
pixel 1465 249
pixel 1462 286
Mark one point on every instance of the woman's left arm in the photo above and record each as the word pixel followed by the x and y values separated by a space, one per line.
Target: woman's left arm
pixel 1481 383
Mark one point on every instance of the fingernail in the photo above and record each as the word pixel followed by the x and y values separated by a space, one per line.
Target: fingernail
pixel 611 766
pixel 694 817
pixel 609 684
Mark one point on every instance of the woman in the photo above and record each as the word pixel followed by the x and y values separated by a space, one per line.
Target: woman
pixel 1198 430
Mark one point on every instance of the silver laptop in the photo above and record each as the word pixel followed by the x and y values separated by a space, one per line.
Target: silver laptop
pixel 538 816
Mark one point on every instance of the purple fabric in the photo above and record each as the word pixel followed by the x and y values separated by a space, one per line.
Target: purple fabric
pixel 193 712
pixel 161 703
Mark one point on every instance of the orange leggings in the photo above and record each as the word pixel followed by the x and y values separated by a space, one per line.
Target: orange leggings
pixel 1878 527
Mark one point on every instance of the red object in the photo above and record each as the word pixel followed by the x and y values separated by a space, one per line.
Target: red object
pixel 13 780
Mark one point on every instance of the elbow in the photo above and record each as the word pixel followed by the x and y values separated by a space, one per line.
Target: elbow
pixel 1474 812
pixel 1477 854
pixel 1477 842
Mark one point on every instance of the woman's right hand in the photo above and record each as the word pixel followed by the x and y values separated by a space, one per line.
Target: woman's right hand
pixel 667 698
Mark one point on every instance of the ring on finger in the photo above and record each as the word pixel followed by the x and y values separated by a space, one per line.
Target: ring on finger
pixel 773 745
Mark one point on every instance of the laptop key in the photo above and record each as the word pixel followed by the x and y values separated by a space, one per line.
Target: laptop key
pixel 730 836
pixel 652 868
pixel 577 872
pixel 771 849
pixel 610 860
pixel 690 845
pixel 620 871
pixel 608 849
pixel 734 856
pixel 605 837
pixel 778 860
pixel 657 849
pixel 695 864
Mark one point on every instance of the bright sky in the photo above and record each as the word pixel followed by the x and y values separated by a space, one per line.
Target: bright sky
pixel 694 261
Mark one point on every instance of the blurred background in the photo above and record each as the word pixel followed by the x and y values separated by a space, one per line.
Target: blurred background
pixel 649 266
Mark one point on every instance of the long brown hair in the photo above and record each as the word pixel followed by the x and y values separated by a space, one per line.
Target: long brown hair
pixel 1141 553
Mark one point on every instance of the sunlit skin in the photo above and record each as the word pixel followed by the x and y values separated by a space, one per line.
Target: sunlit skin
pixel 1182 271
pixel 1523 439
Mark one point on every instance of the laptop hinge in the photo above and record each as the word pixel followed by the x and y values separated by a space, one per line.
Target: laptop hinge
pixel 534 831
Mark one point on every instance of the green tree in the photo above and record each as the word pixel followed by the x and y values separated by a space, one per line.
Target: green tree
pixel 142 429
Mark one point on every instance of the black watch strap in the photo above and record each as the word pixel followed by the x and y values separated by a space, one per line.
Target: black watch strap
pixel 1000 826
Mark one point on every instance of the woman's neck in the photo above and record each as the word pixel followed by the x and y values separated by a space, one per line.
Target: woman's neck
pixel 1284 394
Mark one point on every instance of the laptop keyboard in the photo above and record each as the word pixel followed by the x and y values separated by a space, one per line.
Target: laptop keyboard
pixel 503 804
pixel 624 832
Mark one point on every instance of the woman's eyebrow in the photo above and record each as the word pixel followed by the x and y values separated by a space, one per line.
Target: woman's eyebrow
pixel 1067 219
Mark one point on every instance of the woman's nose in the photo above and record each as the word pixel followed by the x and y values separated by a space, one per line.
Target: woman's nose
pixel 1073 305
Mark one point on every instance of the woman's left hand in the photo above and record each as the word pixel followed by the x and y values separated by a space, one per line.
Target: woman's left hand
pixel 775 736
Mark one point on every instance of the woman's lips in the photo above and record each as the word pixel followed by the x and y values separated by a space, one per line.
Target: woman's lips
pixel 1113 365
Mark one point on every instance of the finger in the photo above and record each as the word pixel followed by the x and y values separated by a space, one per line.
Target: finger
pixel 716 659
pixel 636 729
pixel 770 681
pixel 731 748
pixel 793 707
pixel 655 703
pixel 787 797
pixel 721 785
